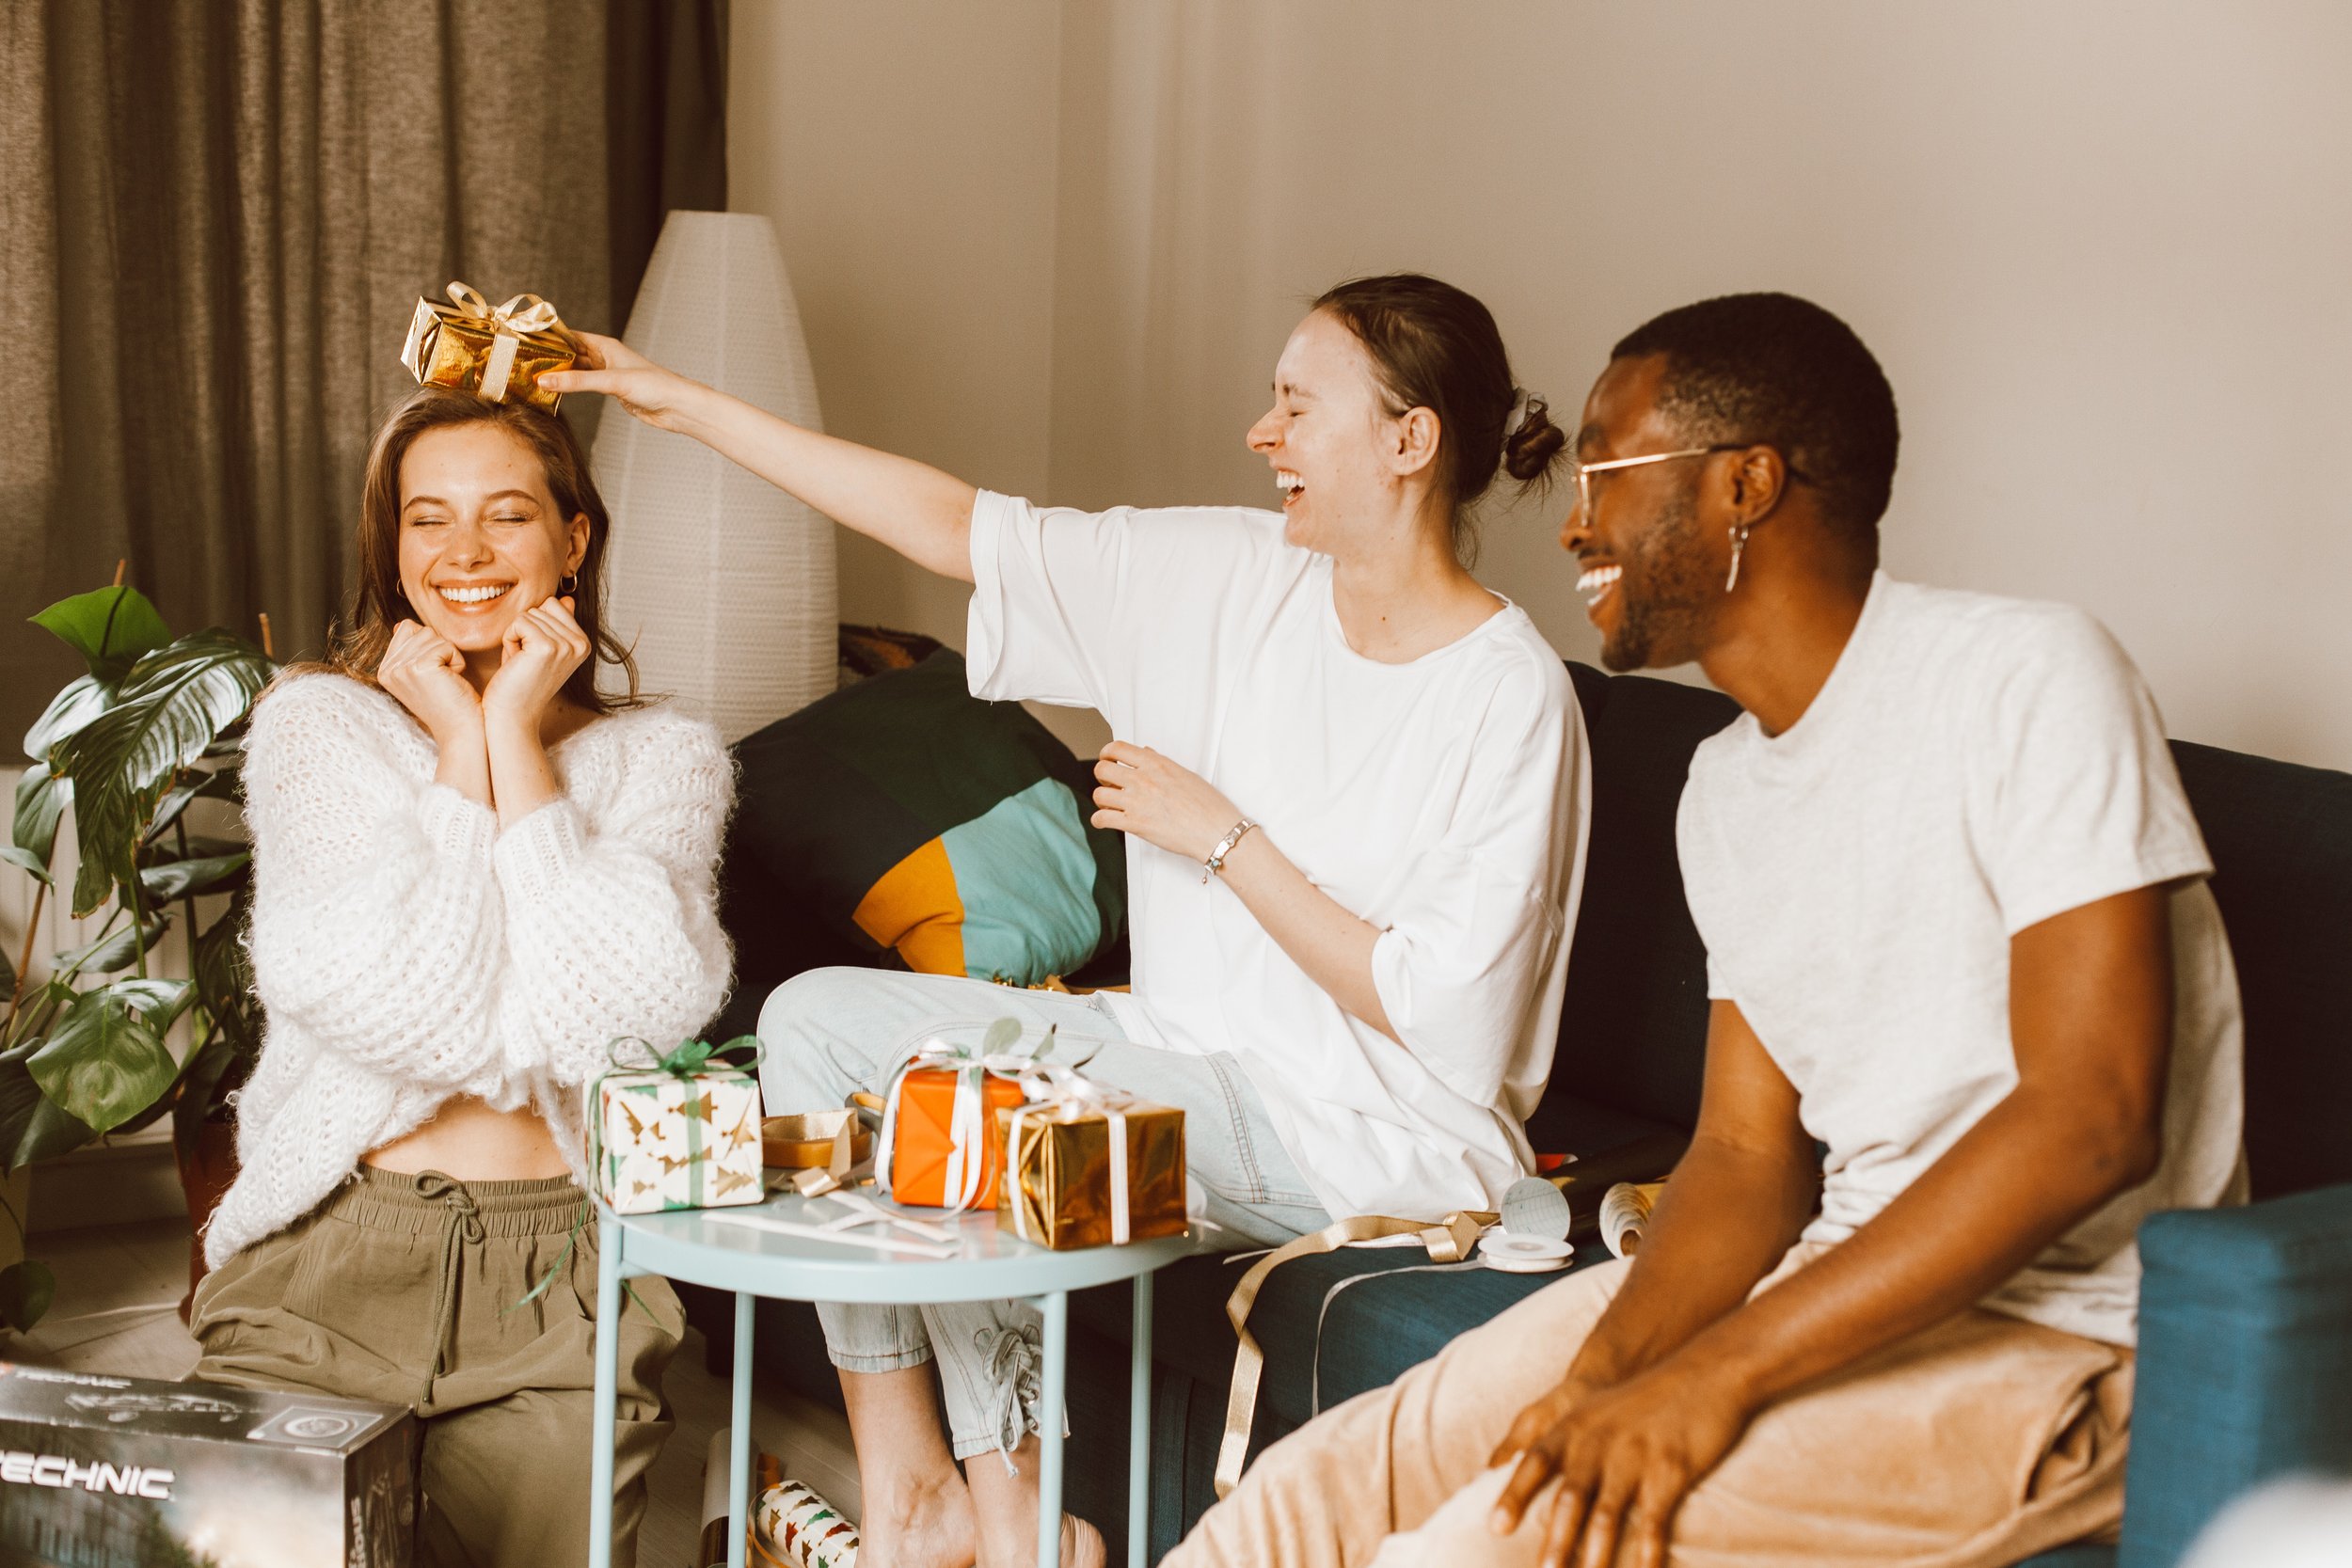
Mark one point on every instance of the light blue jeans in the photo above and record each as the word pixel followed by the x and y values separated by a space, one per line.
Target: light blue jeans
pixel 832 1031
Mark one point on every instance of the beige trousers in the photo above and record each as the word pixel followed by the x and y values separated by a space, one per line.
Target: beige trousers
pixel 1978 1442
pixel 404 1289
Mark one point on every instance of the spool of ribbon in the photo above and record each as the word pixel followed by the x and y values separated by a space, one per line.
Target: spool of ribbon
pixel 506 323
pixel 1052 1090
pixel 968 1126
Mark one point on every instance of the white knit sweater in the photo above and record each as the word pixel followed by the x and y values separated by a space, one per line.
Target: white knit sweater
pixel 406 950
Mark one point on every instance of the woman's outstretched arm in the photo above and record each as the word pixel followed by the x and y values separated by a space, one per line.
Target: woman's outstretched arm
pixel 923 514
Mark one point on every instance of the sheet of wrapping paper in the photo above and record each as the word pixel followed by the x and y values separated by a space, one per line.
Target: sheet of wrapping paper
pixel 1062 1171
pixel 672 1142
pixel 497 351
pixel 941 1137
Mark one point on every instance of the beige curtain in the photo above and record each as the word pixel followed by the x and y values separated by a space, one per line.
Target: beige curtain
pixel 215 218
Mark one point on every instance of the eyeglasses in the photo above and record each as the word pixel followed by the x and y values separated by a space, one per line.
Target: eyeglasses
pixel 1585 471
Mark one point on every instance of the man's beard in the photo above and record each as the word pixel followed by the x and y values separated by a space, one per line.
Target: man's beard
pixel 1667 595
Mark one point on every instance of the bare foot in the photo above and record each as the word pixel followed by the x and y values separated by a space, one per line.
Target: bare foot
pixel 934 1527
pixel 1080 1545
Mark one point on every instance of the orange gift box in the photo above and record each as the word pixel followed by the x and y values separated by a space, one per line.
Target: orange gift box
pixel 932 1148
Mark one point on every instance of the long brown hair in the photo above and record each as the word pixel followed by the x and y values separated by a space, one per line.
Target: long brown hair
pixel 358 645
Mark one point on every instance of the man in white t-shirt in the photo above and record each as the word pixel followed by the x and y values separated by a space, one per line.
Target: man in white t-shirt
pixel 1958 937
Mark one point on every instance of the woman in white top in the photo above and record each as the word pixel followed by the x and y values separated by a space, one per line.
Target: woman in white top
pixel 473 872
pixel 1354 784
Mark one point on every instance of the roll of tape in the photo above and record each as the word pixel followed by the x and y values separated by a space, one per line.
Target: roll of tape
pixel 1524 1253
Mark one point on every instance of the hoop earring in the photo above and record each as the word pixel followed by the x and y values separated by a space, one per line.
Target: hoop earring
pixel 1739 544
pixel 570 584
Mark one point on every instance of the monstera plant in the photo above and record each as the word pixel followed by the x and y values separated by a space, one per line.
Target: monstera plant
pixel 130 745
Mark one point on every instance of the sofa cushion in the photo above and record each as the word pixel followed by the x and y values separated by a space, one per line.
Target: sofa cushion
pixel 2281 842
pixel 904 814
pixel 1633 1024
pixel 2244 1360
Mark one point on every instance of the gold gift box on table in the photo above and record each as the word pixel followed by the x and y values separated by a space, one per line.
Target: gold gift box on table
pixel 1087 1165
pixel 498 351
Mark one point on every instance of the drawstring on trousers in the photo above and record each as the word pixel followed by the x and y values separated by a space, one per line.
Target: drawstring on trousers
pixel 462 1225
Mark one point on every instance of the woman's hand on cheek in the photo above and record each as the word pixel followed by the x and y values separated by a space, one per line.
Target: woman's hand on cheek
pixel 426 674
pixel 1140 792
pixel 543 646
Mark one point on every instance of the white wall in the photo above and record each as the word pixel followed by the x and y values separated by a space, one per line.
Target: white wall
pixel 2099 247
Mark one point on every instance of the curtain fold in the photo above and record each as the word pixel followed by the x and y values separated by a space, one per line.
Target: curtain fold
pixel 218 217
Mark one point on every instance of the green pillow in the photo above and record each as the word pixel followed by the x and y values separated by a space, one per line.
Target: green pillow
pixel 909 816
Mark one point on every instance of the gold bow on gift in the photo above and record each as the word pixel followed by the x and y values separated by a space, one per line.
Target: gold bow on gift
pixel 490 350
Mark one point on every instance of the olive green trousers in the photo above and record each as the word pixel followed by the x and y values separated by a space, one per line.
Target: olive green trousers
pixel 410 1290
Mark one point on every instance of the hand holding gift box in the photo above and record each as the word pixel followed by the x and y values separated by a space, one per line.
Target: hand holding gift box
pixel 499 352
pixel 1087 1164
pixel 942 1145
pixel 681 1132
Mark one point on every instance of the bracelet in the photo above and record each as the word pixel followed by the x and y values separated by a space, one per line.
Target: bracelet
pixel 1214 865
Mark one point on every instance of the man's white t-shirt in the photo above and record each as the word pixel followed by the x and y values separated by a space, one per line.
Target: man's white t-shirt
pixel 1444 800
pixel 1973 766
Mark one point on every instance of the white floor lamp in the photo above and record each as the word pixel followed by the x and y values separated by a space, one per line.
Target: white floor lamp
pixel 725 583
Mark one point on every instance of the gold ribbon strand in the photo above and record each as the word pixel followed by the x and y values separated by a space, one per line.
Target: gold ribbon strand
pixel 1449 1240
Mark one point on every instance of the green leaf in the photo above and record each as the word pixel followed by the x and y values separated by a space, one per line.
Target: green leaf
pixel 104 1062
pixel 27 1289
pixel 84 699
pixel 173 703
pixel 205 1069
pixel 25 860
pixel 110 628
pixel 218 785
pixel 197 877
pixel 7 977
pixel 223 980
pixel 1004 1033
pixel 31 1128
pixel 160 1002
pixel 40 801
pixel 36 1012
pixel 111 953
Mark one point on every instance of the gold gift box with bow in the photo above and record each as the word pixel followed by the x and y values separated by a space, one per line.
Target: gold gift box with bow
pixel 498 351
pixel 1065 1170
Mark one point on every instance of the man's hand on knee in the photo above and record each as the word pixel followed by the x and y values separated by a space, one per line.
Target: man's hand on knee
pixel 1624 1457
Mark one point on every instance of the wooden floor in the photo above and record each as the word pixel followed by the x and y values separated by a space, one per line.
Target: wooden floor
pixel 118 1289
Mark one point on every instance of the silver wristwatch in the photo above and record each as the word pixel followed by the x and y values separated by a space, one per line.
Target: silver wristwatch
pixel 1215 863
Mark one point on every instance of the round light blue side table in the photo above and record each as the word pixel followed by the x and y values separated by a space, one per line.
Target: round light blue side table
pixel 700 1246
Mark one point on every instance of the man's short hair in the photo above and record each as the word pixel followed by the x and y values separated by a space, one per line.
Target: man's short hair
pixel 1781 372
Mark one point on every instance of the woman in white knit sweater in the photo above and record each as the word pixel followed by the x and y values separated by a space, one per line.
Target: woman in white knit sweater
pixel 473 872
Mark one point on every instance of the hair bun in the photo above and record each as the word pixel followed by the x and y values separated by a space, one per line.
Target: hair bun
pixel 1531 448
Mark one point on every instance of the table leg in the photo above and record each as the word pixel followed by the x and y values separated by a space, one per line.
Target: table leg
pixel 607 1391
pixel 1049 1418
pixel 739 1441
pixel 1140 1430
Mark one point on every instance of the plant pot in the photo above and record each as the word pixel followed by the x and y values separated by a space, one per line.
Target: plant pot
pixel 206 1169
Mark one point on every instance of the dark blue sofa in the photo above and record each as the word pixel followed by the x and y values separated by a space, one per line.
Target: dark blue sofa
pixel 2246 1351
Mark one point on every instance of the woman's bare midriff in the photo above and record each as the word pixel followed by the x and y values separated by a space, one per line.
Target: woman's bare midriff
pixel 471 1142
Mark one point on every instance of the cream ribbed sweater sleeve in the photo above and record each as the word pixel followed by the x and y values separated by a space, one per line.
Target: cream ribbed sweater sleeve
pixel 377 923
pixel 612 928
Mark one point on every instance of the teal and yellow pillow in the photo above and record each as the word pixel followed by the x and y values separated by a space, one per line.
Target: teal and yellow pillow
pixel 908 817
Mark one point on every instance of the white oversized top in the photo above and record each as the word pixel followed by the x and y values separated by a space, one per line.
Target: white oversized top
pixel 1445 800
pixel 407 951
pixel 1972 767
